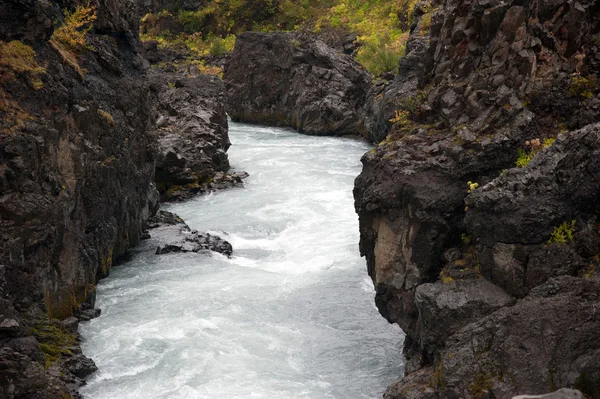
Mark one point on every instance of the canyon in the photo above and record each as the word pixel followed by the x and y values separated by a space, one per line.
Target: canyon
pixel 477 206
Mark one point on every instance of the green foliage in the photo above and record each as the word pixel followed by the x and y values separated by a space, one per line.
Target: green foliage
pixel 523 159
pixel 583 87
pixel 106 116
pixel 466 239
pixel 77 24
pixel 381 34
pixel 378 56
pixel 70 37
pixel 55 341
pixel 217 47
pixel 535 146
pixel 472 186
pixel 563 233
pixel 400 118
pixel 17 57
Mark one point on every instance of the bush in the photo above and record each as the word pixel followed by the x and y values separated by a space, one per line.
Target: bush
pixel 563 233
pixel 76 25
pixel 69 38
pixel 583 87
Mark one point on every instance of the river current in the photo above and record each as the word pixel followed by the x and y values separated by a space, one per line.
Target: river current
pixel 290 315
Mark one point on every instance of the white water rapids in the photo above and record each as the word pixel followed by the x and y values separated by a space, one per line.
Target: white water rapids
pixel 290 315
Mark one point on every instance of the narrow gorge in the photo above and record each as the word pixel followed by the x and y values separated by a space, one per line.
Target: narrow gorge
pixel 157 244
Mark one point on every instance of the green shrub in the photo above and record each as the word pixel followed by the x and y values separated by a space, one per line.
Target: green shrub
pixel 563 233
pixel 378 59
pixel 583 87
pixel 523 159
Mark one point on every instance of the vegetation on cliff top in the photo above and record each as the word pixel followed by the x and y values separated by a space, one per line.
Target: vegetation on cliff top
pixel 381 26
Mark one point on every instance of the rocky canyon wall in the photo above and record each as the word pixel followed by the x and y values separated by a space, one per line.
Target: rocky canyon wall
pixel 489 268
pixel 85 126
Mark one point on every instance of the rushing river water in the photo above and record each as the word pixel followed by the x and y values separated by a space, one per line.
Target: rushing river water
pixel 290 315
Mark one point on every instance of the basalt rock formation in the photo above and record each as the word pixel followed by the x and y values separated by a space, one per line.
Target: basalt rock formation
pixel 491 270
pixel 192 133
pixel 76 184
pixel 82 127
pixel 291 79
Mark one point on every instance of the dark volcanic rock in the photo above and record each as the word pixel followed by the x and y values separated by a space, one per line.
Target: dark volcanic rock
pixel 192 134
pixel 173 235
pixel 288 79
pixel 76 184
pixel 545 340
pixel 558 185
pixel 493 77
pixel 446 307
pixel 81 366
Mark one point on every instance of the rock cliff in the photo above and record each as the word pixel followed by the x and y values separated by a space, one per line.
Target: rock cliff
pixel 291 79
pixel 82 128
pixel 491 270
pixel 76 181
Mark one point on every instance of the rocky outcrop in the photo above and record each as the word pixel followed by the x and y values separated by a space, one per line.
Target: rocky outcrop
pixel 172 234
pixel 289 79
pixel 192 135
pixel 470 256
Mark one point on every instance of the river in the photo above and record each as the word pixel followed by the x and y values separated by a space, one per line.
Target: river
pixel 290 315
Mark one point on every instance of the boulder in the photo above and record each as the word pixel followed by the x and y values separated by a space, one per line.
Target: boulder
pixel 172 234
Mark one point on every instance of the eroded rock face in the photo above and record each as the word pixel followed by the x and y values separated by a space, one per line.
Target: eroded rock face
pixel 461 268
pixel 192 133
pixel 288 79
pixel 76 185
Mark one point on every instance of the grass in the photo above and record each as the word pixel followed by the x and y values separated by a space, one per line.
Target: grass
pixel 535 146
pixel 583 87
pixel 55 340
pixel 212 30
pixel 17 60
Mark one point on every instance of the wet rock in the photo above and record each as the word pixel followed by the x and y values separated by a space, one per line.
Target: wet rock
pixel 172 234
pixel 525 206
pixel 70 323
pixel 220 181
pixel 560 394
pixel 290 79
pixel 196 242
pixel 20 375
pixel 80 366
pixel 89 314
pixel 523 342
pixel 423 224
pixel 444 308
pixel 75 182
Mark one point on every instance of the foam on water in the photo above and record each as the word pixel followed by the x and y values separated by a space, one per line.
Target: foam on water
pixel 290 315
